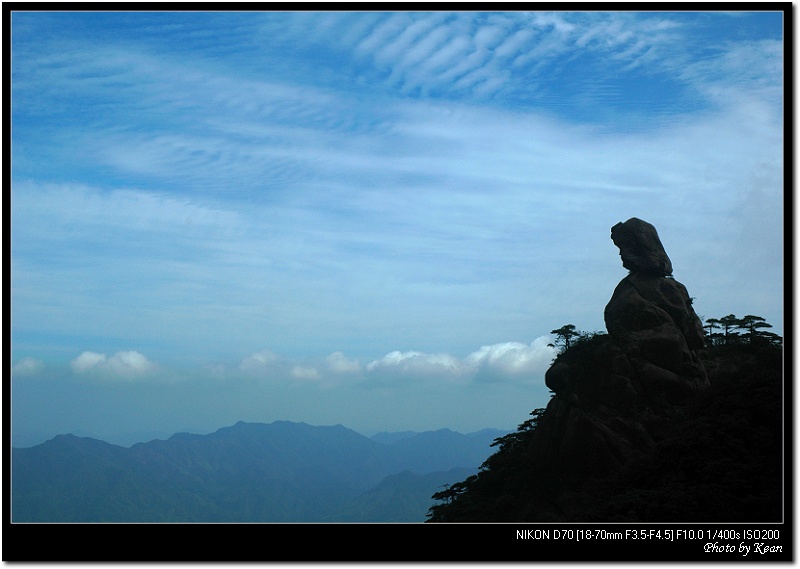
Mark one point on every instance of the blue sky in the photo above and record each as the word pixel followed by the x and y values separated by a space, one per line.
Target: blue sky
pixel 371 218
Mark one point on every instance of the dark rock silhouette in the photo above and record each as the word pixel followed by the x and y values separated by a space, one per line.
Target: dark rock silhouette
pixel 644 424
pixel 640 248
pixel 651 318
pixel 615 393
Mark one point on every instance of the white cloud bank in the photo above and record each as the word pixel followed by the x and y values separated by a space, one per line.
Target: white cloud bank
pixel 327 372
pixel 27 366
pixel 337 362
pixel 122 364
pixel 259 362
pixel 418 364
pixel 505 360
pixel 305 373
pixel 512 358
pixel 494 362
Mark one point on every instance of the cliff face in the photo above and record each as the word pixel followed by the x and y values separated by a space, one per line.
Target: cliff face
pixel 617 398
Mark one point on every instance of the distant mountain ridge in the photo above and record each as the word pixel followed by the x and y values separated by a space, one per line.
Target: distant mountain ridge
pixel 247 472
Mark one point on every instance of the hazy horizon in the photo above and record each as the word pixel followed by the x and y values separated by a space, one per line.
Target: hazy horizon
pixel 371 219
pixel 127 439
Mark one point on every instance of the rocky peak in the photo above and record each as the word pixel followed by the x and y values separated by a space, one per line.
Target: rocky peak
pixel 631 433
pixel 651 318
pixel 616 392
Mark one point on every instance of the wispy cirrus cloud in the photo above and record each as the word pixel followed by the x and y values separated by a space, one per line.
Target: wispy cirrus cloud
pixel 487 54
pixel 235 258
pixel 329 183
pixel 736 73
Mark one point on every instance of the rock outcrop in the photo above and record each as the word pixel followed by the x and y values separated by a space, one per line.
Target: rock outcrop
pixel 640 248
pixel 645 425
pixel 650 316
pixel 615 393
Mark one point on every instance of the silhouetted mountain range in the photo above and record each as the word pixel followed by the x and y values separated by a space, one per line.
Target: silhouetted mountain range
pixel 248 472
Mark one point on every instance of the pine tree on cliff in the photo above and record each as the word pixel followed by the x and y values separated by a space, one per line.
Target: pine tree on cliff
pixel 564 336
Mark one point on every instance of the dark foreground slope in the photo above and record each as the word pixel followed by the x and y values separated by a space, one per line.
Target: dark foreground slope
pixel 249 472
pixel 720 459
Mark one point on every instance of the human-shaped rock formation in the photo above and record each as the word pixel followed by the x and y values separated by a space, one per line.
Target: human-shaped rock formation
pixel 615 393
pixel 650 315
